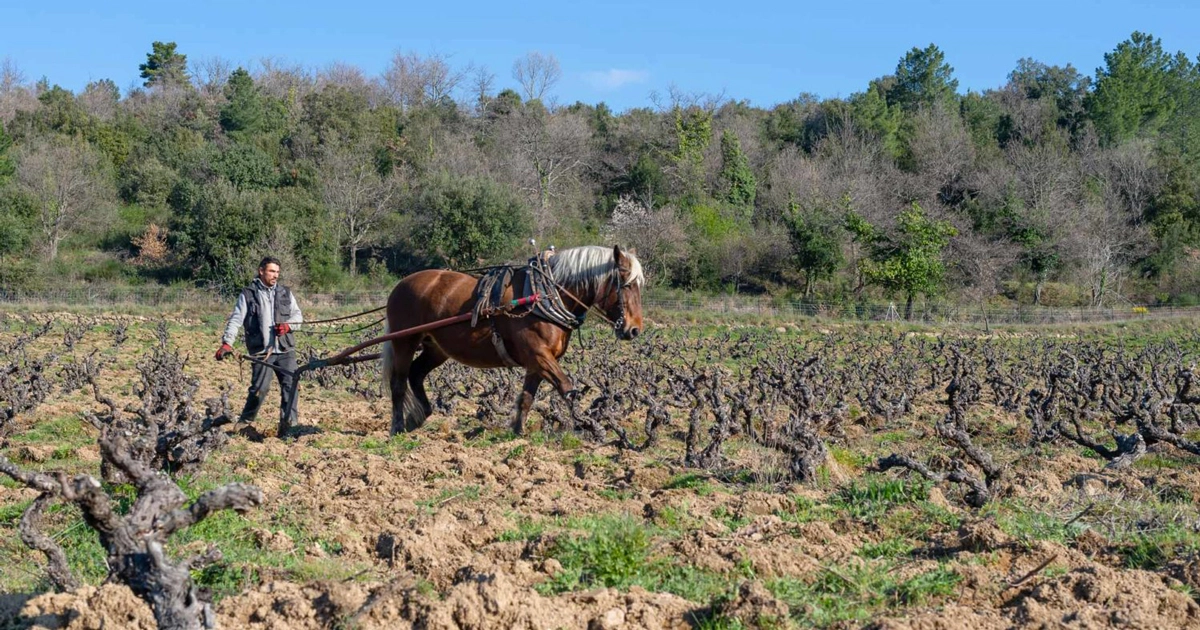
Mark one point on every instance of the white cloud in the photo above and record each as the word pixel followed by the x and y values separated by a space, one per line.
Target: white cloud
pixel 615 78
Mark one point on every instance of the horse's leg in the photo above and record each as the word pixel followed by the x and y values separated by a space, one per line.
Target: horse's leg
pixel 429 359
pixel 407 414
pixel 549 369
pixel 525 399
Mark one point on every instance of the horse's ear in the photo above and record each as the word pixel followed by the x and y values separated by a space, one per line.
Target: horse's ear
pixel 617 254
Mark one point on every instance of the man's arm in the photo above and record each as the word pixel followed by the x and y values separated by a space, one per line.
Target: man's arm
pixel 235 320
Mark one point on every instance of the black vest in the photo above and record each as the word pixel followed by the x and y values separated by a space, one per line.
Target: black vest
pixel 283 312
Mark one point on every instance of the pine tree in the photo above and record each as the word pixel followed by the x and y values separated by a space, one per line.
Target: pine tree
pixel 164 67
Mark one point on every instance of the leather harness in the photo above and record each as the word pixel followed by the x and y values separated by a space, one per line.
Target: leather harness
pixel 539 279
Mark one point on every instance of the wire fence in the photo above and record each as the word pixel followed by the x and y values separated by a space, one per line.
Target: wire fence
pixel 927 313
pixel 168 297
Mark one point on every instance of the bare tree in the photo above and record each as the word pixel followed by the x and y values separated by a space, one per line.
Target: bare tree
pixel 980 265
pixel 414 81
pixel 210 75
pixel 1128 175
pixel 739 253
pixel 536 73
pixel 941 153
pixel 101 99
pixel 1103 240
pixel 344 75
pixel 11 76
pixel 283 80
pixel 793 177
pixel 1030 118
pixel 67 181
pixel 358 197
pixel 1045 177
pixel 15 95
pixel 550 148
pixel 853 164
pixel 483 82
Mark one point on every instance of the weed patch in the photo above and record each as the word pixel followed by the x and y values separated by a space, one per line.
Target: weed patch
pixel 869 499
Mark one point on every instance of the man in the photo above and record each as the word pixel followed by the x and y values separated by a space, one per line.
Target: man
pixel 268 313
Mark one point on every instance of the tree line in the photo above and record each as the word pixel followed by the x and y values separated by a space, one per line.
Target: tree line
pixel 1056 188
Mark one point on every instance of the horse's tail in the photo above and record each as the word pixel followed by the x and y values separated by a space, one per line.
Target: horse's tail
pixel 386 359
pixel 410 415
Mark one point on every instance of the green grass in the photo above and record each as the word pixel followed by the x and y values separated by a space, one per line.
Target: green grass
pixel 1027 524
pixel 466 493
pixel 890 548
pixel 732 521
pixel 1152 550
pixel 916 520
pixel 614 554
pixel 588 460
pixel 11 513
pixel 245 565
pixel 700 483
pixel 1160 462
pixel 676 520
pixel 857 591
pixel 65 432
pixel 515 452
pixel 870 497
pixel 489 437
pixel 85 556
pixel 616 551
pixel 805 510
pixel 720 622
pixel 891 437
pixel 395 445
pixel 526 529
pixel 613 494
pixel 851 458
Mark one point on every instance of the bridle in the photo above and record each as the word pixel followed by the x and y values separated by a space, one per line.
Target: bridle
pixel 619 323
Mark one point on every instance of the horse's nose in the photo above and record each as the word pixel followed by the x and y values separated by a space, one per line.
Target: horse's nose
pixel 633 333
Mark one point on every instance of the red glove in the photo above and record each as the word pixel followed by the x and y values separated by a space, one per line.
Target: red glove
pixel 224 351
pixel 282 329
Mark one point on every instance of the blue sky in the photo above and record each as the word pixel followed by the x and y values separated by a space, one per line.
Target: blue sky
pixel 617 52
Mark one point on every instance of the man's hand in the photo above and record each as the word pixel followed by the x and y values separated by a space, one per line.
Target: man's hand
pixel 224 351
pixel 282 329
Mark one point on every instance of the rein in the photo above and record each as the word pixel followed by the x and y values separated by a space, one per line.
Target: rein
pixel 345 317
pixel 339 332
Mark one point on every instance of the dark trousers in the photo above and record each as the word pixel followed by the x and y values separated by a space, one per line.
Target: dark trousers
pixel 260 384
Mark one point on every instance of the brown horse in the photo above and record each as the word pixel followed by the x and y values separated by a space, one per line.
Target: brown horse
pixel 609 279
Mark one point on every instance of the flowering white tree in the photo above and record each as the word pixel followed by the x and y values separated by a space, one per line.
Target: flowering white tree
pixel 657 236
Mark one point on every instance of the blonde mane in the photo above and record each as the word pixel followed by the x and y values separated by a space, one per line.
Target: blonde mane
pixel 591 266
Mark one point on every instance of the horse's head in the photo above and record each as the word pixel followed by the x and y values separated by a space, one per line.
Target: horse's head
pixel 623 304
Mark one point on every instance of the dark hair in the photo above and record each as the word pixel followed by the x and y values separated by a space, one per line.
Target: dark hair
pixel 268 260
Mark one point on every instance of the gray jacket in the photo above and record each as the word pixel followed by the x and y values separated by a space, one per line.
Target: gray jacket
pixel 264 307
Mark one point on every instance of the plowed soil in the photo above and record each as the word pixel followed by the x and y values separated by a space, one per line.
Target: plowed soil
pixel 462 525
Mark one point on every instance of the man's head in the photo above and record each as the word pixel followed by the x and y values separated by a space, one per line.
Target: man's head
pixel 268 271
